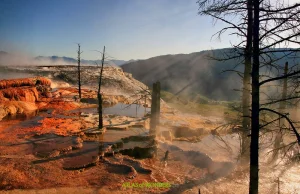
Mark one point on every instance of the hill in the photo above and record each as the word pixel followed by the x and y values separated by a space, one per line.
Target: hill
pixel 194 73
pixel 11 59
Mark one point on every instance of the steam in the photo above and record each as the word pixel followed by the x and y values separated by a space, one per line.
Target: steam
pixel 12 75
pixel 21 59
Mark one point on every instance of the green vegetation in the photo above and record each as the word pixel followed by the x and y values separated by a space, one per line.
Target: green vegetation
pixel 199 104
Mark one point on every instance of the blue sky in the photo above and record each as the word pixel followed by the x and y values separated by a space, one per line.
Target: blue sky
pixel 130 29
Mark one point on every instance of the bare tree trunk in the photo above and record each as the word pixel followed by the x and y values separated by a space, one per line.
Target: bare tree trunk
pixel 158 102
pixel 246 83
pixel 100 124
pixel 253 188
pixel 155 107
pixel 153 110
pixel 79 81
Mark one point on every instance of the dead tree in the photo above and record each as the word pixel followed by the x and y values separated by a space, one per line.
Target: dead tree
pixel 158 102
pixel 155 107
pixel 254 159
pixel 273 25
pixel 79 80
pixel 99 95
pixel 270 26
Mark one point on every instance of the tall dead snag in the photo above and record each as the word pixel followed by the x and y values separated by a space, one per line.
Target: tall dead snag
pixel 253 189
pixel 79 80
pixel 157 102
pixel 274 24
pixel 99 95
pixel 155 107
pixel 153 110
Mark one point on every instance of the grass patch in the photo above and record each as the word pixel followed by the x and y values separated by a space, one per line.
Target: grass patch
pixel 206 109
pixel 202 106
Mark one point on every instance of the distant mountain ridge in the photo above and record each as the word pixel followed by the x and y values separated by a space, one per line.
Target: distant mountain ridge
pixel 51 60
pixel 195 73
pixel 83 61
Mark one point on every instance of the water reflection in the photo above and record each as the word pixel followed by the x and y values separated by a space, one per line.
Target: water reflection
pixel 132 110
pixel 120 109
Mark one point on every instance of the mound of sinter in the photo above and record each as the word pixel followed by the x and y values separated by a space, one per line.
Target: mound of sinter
pixel 114 80
pixel 20 95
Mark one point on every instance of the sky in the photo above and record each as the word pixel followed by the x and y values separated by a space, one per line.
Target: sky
pixel 130 29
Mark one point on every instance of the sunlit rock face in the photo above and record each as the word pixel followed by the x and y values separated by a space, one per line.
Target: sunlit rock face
pixel 9 83
pixel 114 80
pixel 16 107
pixel 25 94
pixel 19 96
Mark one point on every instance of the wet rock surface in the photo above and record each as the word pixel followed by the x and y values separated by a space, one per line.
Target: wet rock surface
pixel 64 137
pixel 13 83
pixel 139 152
pixel 58 143
pixel 49 145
